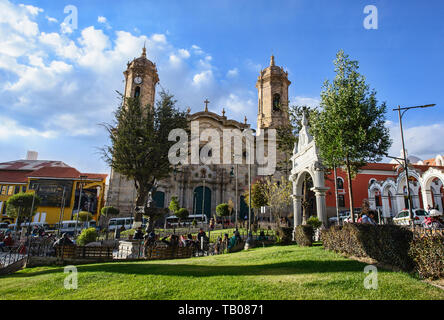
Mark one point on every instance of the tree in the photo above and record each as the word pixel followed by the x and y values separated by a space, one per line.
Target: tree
pixel 182 213
pixel 139 146
pixel 279 196
pixel 174 205
pixel 349 128
pixel 84 216
pixel 19 207
pixel 259 195
pixel 223 210
pixel 109 211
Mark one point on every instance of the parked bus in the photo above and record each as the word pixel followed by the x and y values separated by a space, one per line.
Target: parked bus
pixel 173 221
pixel 69 226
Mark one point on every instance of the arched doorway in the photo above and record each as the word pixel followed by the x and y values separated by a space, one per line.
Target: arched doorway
pixel 305 161
pixel 159 199
pixel 202 198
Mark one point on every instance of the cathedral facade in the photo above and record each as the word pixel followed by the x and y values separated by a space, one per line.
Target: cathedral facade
pixel 198 187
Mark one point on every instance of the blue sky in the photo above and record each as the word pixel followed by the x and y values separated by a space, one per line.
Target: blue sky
pixel 51 75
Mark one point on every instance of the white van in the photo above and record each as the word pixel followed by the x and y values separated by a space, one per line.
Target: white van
pixel 69 226
pixel 119 222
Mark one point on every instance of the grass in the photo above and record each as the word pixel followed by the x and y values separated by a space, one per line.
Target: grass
pixel 290 272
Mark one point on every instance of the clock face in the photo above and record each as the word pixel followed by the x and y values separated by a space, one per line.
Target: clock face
pixel 137 80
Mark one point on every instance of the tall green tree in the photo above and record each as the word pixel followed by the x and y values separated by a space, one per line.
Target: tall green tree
pixel 174 205
pixel 349 127
pixel 139 145
pixel 20 207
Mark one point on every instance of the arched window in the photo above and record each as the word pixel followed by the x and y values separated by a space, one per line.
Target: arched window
pixel 137 92
pixel 340 183
pixel 276 102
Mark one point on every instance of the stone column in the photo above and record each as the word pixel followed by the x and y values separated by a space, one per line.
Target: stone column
pixel 400 201
pixel 297 212
pixel 320 203
pixel 385 206
pixel 427 198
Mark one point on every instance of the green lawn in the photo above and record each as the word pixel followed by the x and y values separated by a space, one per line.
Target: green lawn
pixel 290 272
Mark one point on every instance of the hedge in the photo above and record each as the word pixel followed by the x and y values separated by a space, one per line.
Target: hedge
pixel 304 235
pixel 385 243
pixel 428 255
pixel 285 235
pixel 389 244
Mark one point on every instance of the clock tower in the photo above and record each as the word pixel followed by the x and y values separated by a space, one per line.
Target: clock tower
pixel 141 78
pixel 140 81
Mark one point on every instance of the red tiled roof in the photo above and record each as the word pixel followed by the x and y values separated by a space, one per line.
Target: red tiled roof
pixel 100 176
pixel 56 172
pixel 30 165
pixel 14 176
pixel 379 166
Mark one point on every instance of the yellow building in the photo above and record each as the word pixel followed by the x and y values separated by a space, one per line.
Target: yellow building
pixel 58 186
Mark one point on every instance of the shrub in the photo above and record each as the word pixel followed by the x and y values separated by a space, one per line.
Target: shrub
pixel 223 210
pixel 428 255
pixel 285 235
pixel 109 211
pixel 182 213
pixel 314 222
pixel 304 235
pixel 127 233
pixel 84 216
pixel 385 243
pixel 87 236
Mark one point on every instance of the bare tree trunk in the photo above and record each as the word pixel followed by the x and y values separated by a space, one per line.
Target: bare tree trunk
pixel 350 190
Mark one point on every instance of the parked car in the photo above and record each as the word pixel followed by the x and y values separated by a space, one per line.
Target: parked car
pixel 342 215
pixel 403 218
pixel 347 217
pixel 4 226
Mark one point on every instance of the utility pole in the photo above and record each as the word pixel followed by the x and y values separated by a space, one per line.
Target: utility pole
pixel 401 114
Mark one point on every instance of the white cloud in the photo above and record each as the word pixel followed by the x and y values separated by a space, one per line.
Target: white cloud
pixel 31 9
pixel 233 73
pixel 197 50
pixel 71 124
pixel 104 21
pixel 203 78
pixel 184 53
pixel 305 101
pixel 101 19
pixel 10 128
pixel 160 38
pixel 424 141
pixel 238 104
pixel 51 19
pixel 67 81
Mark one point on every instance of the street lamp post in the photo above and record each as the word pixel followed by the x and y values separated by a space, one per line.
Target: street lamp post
pixel 29 226
pixel 401 114
pixel 80 201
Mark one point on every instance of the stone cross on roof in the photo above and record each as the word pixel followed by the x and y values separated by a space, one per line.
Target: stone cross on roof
pixel 206 105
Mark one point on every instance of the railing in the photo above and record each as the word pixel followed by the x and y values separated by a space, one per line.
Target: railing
pixel 83 252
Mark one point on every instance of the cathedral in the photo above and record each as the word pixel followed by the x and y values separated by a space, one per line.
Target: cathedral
pixel 200 188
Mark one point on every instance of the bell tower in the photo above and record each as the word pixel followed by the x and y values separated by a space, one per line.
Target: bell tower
pixel 272 86
pixel 140 79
